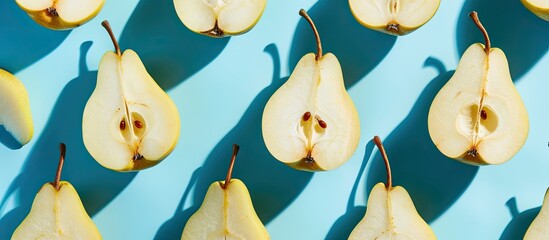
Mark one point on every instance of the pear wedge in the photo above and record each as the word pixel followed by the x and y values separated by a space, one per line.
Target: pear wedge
pixel 539 227
pixel 390 213
pixel 311 123
pixel 478 117
pixel 227 212
pixel 15 114
pixel 395 17
pixel 61 14
pixel 219 18
pixel 129 122
pixel 57 213
pixel 538 7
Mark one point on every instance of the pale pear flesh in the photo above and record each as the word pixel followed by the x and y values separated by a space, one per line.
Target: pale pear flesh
pixel 225 214
pixel 539 228
pixel 478 117
pixel 538 7
pixel 396 17
pixel 129 122
pixel 57 214
pixel 15 113
pixel 391 215
pixel 316 87
pixel 61 14
pixel 218 18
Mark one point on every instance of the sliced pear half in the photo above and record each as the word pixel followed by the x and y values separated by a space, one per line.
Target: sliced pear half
pixel 538 7
pixel 395 17
pixel 15 113
pixel 61 14
pixel 478 117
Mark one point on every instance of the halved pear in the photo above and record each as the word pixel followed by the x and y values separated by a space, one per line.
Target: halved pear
pixel 395 17
pixel 227 212
pixel 390 213
pixel 61 14
pixel 129 122
pixel 311 123
pixel 538 7
pixel 15 114
pixel 478 117
pixel 539 228
pixel 219 18
pixel 57 213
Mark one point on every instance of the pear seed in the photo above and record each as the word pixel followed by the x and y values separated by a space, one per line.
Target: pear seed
pixel 306 116
pixel 483 115
pixel 138 124
pixel 122 125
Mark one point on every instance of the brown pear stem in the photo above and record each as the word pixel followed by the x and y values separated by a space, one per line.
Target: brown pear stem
pixel 231 166
pixel 476 20
pixel 107 26
pixel 63 150
pixel 304 14
pixel 379 145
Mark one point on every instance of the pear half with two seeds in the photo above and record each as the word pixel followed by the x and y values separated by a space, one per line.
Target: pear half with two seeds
pixel 61 14
pixel 311 123
pixel 390 213
pixel 219 18
pixel 395 17
pixel 57 213
pixel 538 7
pixel 539 227
pixel 226 212
pixel 15 114
pixel 478 117
pixel 129 122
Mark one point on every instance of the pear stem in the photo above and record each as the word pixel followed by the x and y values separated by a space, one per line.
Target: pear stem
pixel 63 150
pixel 304 14
pixel 379 145
pixel 107 26
pixel 476 20
pixel 231 166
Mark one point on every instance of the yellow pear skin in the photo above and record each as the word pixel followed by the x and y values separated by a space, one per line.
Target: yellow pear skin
pixel 227 212
pixel 57 213
pixel 478 117
pixel 129 122
pixel 538 7
pixel 15 112
pixel 390 213
pixel 310 123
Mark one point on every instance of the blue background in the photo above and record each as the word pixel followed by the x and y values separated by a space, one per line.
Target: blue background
pixel 221 87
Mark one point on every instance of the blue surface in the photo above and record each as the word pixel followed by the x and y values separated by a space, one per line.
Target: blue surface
pixel 221 87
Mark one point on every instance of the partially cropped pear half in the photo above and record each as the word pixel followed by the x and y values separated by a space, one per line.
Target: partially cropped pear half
pixel 129 122
pixel 226 212
pixel 61 14
pixel 390 213
pixel 311 123
pixel 219 18
pixel 57 213
pixel 395 17
pixel 478 117
pixel 538 7
pixel 15 114
pixel 538 229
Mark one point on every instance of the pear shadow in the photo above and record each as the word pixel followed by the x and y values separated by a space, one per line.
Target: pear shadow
pixel 173 228
pixel 516 229
pixel 96 185
pixel 518 32
pixel 344 225
pixel 8 140
pixel 272 184
pixel 358 49
pixel 19 38
pixel 170 51
pixel 434 181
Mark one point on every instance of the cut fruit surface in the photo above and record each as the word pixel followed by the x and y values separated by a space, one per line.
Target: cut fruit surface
pixel 396 17
pixel 61 14
pixel 538 228
pixel 15 114
pixel 218 18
